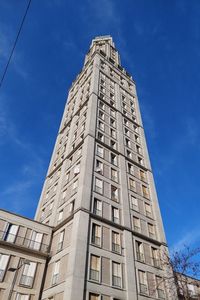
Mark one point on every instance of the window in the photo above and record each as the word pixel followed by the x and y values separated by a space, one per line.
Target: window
pixel 134 202
pixel 139 251
pixel 101 105
pixel 155 257
pixel 137 138
pixel 140 161
pixel 102 82
pixel 132 184
pixel 126 122
pixel 135 128
pixel 51 206
pixel 115 215
pixel 98 185
pixel 129 154
pixel 143 282
pixel 96 234
pixel 112 112
pixel 3 265
pixel 60 216
pixel 113 133
pixel 114 175
pixel 112 103
pixel 100 151
pixel 102 89
pixel 10 233
pixel 160 287
pixel 56 272
pixel 112 144
pixel 75 185
pixel 112 122
pixel 77 169
pixel 126 131
pixel 116 245
pixel 116 274
pixel 145 191
pixel 99 166
pixel 111 96
pixel 128 143
pixel 36 240
pixel 75 135
pixel 97 207
pixel 71 206
pixel 95 267
pixel 100 136
pixel 79 151
pixel 67 177
pixel 151 229
pixel 136 224
pixel 147 207
pixel 93 296
pixel 101 125
pixel 114 193
pixel 142 175
pixel 101 95
pixel 22 297
pixel 113 159
pixel 101 115
pixel 55 187
pixel 138 149
pixel 64 194
pixel 60 241
pixel 28 274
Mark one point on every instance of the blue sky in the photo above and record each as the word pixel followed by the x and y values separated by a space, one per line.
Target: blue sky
pixel 159 43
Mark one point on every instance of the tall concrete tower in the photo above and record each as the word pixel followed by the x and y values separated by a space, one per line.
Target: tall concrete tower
pixel 99 194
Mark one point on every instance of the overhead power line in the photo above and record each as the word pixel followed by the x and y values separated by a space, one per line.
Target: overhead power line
pixel 15 43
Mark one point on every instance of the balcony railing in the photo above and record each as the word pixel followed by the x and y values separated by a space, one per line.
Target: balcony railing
pixel 156 262
pixel 98 189
pixel 140 256
pixel 22 241
pixel 137 228
pixel 26 280
pixel 96 240
pixel 60 246
pixel 114 197
pixel 161 293
pixel 114 178
pixel 1 274
pixel 116 248
pixel 55 279
pixel 116 220
pixel 97 211
pixel 116 281
pixel 143 289
pixel 94 275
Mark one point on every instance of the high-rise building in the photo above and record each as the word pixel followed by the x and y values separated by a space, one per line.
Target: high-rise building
pixel 99 202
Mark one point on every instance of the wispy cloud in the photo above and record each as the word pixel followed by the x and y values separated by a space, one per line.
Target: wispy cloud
pixel 190 238
pixel 8 130
pixel 105 11
pixel 18 191
pixel 149 119
pixel 192 131
pixel 7 37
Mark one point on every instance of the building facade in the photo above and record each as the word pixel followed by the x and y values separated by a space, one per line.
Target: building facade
pixel 98 206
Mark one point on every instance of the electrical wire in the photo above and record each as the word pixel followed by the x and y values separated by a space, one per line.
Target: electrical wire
pixel 15 43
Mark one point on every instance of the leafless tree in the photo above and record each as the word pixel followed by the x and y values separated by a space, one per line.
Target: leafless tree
pixel 183 270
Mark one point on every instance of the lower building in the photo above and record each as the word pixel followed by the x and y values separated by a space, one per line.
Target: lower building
pixel 24 253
